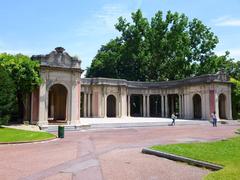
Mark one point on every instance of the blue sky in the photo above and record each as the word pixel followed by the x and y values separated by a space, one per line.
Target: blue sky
pixel 81 27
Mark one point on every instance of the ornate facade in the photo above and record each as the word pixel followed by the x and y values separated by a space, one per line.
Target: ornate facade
pixel 65 97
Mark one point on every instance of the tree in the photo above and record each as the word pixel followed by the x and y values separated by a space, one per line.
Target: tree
pixel 7 96
pixel 25 74
pixel 236 98
pixel 165 49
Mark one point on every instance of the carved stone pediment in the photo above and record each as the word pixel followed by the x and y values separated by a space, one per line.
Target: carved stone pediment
pixel 58 58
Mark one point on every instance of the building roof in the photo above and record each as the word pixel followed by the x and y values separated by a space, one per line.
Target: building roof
pixel 58 59
pixel 208 78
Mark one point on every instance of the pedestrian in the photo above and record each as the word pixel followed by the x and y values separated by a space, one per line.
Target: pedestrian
pixel 173 119
pixel 214 119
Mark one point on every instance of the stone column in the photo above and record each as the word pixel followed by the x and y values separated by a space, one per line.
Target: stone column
pixel 123 102
pixel 180 105
pixel 166 105
pixel 43 111
pixel 89 105
pixel 148 106
pixel 35 106
pixel 144 105
pixel 183 107
pixel 84 104
pixel 75 101
pixel 229 104
pixel 128 105
pixel 216 105
pixel 162 106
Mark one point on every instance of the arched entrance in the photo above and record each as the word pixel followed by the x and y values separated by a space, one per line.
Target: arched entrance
pixel 155 105
pixel 222 106
pixel 57 103
pixel 136 105
pixel 197 106
pixel 111 106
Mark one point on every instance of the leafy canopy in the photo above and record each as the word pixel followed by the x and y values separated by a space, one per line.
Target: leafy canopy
pixel 22 70
pixel 7 96
pixel 25 75
pixel 166 48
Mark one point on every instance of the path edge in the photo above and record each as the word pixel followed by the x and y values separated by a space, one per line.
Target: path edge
pixel 190 161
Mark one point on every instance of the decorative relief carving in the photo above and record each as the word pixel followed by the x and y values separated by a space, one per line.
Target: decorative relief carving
pixel 58 58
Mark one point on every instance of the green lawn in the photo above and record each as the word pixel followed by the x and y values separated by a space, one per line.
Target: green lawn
pixel 225 152
pixel 16 135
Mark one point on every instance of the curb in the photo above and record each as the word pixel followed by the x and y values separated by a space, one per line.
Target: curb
pixel 194 162
pixel 28 142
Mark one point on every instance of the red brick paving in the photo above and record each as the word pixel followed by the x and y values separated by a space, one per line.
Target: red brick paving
pixel 107 154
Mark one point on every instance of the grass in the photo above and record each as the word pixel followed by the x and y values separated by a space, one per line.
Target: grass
pixel 225 152
pixel 9 135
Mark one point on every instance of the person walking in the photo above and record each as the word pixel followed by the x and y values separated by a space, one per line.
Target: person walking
pixel 214 119
pixel 173 116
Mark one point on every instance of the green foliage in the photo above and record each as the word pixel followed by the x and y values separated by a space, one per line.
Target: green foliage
pixel 224 153
pixel 235 98
pixel 22 70
pixel 7 96
pixel 25 74
pixel 166 48
pixel 163 49
pixel 16 135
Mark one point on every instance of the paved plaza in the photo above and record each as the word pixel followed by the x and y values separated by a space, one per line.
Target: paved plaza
pixel 108 154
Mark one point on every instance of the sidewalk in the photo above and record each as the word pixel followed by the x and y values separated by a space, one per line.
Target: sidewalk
pixel 135 122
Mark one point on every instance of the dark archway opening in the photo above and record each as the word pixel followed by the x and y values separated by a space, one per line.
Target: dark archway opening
pixel 57 103
pixel 197 106
pixel 136 102
pixel 155 105
pixel 82 105
pixel 222 106
pixel 111 106
pixel 173 104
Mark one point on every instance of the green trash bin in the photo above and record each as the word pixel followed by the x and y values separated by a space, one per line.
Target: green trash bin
pixel 60 131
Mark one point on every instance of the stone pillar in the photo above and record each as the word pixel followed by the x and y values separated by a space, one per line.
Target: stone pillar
pixel 148 106
pixel 123 102
pixel 229 104
pixel 183 107
pixel 43 111
pixel 216 105
pixel 180 105
pixel 35 106
pixel 188 107
pixel 75 102
pixel 162 106
pixel 95 108
pixel 166 105
pixel 144 105
pixel 128 105
pixel 84 104
pixel 89 105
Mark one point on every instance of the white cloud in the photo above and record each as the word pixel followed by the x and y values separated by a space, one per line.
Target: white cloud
pixel 102 22
pixel 234 53
pixel 227 21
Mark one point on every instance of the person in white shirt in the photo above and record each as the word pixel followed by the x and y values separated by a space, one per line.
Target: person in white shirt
pixel 173 116
pixel 214 119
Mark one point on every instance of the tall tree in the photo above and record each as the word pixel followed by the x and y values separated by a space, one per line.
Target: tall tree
pixel 165 49
pixel 7 96
pixel 25 74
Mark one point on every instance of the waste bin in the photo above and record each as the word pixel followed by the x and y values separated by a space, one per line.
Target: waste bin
pixel 60 131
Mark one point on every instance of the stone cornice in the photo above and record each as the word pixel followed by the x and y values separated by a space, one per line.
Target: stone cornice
pixel 209 78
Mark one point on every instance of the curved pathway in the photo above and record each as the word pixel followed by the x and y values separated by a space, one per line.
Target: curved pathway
pixel 107 154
